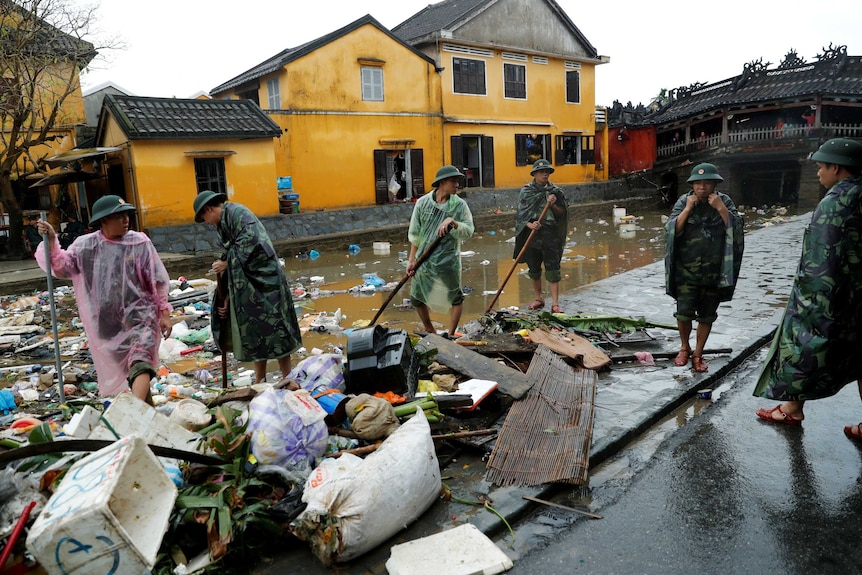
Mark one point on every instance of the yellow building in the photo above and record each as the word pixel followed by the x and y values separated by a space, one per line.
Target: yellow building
pixel 518 84
pixel 169 150
pixel 357 107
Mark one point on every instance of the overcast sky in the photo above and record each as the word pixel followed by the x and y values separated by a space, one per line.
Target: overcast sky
pixel 179 48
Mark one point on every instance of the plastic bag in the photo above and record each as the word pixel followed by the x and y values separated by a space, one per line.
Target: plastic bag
pixel 355 504
pixel 371 417
pixel 287 429
pixel 394 186
pixel 319 370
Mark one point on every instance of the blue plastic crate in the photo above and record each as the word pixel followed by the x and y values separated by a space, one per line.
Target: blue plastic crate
pixel 285 183
pixel 290 197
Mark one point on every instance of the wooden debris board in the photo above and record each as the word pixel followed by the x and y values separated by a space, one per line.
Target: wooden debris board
pixel 546 436
pixel 473 364
pixel 574 346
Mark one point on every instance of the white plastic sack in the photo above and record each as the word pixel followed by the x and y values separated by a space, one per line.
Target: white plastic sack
pixel 356 504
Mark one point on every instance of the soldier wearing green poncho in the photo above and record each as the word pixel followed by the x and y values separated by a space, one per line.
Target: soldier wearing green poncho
pixel 437 282
pixel 258 310
pixel 546 247
pixel 815 352
pixel 703 254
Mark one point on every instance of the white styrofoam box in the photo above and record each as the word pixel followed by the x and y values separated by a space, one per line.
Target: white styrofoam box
pixel 83 423
pixel 463 550
pixel 128 415
pixel 108 515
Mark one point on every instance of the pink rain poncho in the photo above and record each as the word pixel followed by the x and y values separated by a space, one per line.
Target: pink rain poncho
pixel 122 289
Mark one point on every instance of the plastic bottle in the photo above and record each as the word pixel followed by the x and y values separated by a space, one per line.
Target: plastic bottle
pixel 180 391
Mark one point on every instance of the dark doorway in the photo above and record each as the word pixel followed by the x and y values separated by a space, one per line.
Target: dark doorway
pixel 474 156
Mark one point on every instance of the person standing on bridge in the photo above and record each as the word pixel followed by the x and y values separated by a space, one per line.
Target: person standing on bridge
pixel 703 255
pixel 257 306
pixel 815 352
pixel 121 287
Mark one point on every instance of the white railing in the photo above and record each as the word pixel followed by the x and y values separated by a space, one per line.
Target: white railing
pixel 763 134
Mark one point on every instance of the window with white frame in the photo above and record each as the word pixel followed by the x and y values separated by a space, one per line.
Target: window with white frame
pixel 372 83
pixel 468 76
pixel 514 81
pixel 273 94
pixel 573 87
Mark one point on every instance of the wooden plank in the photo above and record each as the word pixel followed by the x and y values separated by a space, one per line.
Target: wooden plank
pixel 464 360
pixel 574 346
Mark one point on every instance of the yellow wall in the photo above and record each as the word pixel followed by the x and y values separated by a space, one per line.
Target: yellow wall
pixel 331 133
pixel 162 184
pixel 545 111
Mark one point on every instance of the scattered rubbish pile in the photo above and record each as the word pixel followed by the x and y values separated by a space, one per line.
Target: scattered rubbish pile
pixel 317 458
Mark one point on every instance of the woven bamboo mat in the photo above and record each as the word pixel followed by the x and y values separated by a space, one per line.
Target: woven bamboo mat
pixel 547 433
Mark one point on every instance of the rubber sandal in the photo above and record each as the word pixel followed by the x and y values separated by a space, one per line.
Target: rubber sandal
pixel 538 304
pixel 698 365
pixel 556 309
pixel 681 358
pixel 853 431
pixel 767 415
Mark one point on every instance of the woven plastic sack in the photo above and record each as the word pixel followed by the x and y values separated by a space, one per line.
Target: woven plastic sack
pixel 324 370
pixel 356 504
pixel 287 429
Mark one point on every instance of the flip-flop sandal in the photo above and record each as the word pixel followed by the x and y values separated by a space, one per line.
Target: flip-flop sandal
pixel 698 365
pixel 853 431
pixel 556 309
pixel 767 415
pixel 681 358
pixel 538 304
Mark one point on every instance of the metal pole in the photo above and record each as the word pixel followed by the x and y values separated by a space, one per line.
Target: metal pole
pixel 45 243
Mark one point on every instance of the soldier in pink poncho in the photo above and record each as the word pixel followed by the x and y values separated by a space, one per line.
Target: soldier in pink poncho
pixel 121 287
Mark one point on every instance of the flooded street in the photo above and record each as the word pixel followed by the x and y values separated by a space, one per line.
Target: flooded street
pixel 596 248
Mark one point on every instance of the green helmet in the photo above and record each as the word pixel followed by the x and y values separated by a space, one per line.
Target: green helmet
pixel 205 198
pixel 446 172
pixel 705 172
pixel 839 151
pixel 541 165
pixel 109 205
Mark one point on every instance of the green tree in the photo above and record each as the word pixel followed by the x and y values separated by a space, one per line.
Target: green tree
pixel 43 50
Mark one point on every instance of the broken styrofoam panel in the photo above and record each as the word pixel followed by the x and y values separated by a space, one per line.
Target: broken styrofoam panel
pixel 128 415
pixel 463 550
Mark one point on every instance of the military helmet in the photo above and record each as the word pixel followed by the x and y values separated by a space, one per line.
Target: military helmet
pixel 705 171
pixel 541 165
pixel 446 172
pixel 205 198
pixel 109 205
pixel 839 151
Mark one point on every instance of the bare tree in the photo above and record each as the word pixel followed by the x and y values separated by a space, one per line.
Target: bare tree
pixel 43 49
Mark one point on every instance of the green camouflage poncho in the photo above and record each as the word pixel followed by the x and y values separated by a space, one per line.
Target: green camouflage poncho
pixel 531 201
pixel 815 351
pixel 437 282
pixel 263 321
pixel 712 253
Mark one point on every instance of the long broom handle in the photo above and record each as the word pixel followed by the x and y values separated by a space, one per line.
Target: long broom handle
pixel 220 295
pixel 518 259
pixel 60 391
pixel 425 255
